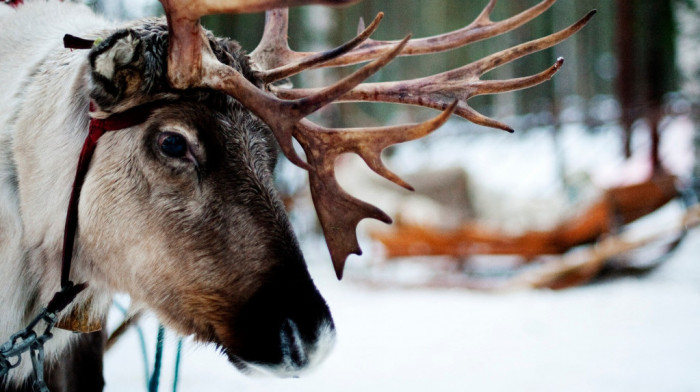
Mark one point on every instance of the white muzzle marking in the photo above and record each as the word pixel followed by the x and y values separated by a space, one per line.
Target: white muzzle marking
pixel 299 356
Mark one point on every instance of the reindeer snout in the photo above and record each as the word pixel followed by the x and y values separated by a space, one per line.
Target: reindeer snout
pixel 296 351
pixel 284 330
pixel 299 354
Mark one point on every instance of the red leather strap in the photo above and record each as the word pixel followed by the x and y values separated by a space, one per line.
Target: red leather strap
pixel 73 42
pixel 98 127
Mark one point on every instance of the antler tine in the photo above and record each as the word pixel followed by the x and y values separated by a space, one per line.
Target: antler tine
pixel 499 86
pixel 437 91
pixel 273 50
pixel 299 62
pixel 506 56
pixel 481 28
pixel 338 212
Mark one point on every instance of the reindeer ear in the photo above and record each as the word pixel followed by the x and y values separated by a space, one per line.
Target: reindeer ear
pixel 117 68
pixel 113 53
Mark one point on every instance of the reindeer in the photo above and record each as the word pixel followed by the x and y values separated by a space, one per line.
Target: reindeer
pixel 178 208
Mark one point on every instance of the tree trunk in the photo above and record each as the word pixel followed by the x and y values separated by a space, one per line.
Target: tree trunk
pixel 625 82
pixel 660 33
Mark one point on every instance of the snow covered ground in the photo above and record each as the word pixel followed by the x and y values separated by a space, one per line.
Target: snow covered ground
pixel 624 335
pixel 630 334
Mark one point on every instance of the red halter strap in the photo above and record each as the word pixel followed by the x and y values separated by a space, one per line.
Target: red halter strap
pixel 98 127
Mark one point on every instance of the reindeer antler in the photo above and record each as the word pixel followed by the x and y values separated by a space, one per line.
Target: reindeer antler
pixel 191 63
pixel 438 91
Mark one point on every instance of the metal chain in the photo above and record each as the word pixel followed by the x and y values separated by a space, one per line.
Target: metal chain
pixel 27 340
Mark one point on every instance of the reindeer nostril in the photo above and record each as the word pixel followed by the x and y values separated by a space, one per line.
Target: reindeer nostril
pixel 292 345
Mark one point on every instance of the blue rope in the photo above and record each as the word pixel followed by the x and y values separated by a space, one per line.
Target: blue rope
pixel 176 376
pixel 142 340
pixel 155 377
pixel 152 381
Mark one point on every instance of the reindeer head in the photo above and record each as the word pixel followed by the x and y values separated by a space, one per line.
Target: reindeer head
pixel 187 196
pixel 182 212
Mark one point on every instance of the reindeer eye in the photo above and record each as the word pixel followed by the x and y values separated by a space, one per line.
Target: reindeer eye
pixel 173 145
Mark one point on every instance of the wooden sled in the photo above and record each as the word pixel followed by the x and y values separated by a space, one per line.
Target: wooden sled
pixel 596 234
